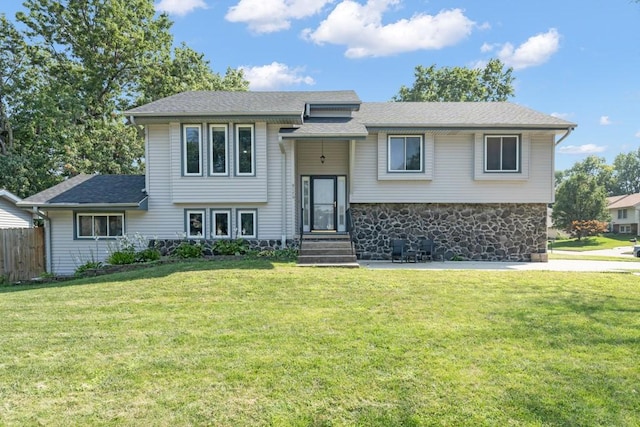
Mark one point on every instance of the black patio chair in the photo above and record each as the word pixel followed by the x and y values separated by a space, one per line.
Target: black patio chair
pixel 398 250
pixel 426 250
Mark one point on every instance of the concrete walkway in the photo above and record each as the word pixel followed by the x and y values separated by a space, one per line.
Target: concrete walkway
pixel 552 265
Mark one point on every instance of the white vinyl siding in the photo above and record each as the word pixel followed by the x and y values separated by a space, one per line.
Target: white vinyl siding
pixel 454 166
pixel 215 189
pixel 12 216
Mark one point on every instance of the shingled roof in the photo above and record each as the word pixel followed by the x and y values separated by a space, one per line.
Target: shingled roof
pixel 92 191
pixel 455 115
pixel 626 201
pixel 211 103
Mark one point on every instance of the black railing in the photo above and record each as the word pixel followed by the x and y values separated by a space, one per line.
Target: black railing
pixel 350 229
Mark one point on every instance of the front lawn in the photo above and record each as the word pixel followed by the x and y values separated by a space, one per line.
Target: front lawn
pixel 606 241
pixel 256 343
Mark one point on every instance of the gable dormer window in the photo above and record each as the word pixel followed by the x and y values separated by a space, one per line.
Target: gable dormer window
pixel 192 150
pixel 245 150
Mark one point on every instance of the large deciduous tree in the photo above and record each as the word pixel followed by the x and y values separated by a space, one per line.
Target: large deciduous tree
pixel 491 83
pixel 627 172
pixel 579 198
pixel 67 78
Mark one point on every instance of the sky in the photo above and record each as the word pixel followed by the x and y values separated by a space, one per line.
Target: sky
pixel 576 60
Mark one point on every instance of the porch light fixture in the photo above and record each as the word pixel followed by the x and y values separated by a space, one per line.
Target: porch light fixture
pixel 322 157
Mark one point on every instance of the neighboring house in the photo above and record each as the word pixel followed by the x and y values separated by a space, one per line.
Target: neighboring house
pixel 268 166
pixel 11 216
pixel 625 213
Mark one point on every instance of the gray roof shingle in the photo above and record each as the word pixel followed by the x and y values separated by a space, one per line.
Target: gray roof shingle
pixel 455 115
pixel 203 103
pixel 326 128
pixel 92 190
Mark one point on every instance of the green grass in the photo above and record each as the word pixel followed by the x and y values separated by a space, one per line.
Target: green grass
pixel 262 344
pixel 608 241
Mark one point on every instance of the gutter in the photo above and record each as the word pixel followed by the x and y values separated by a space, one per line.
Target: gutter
pixel 283 178
pixel 569 130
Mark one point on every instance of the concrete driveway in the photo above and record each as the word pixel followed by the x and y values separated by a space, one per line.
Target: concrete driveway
pixel 553 265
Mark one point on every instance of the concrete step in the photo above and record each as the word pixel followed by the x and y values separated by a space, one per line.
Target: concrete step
pixel 328 245
pixel 326 259
pixel 326 251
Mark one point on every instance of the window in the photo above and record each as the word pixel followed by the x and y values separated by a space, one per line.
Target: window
pixel 245 148
pixel 218 149
pixel 502 153
pixel 220 224
pixel 195 224
pixel 99 225
pixel 625 229
pixel 247 223
pixel 405 154
pixel 622 214
pixel 192 150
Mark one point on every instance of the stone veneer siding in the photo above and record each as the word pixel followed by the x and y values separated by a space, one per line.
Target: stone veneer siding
pixel 482 232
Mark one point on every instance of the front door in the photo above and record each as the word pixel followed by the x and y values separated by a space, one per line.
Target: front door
pixel 324 203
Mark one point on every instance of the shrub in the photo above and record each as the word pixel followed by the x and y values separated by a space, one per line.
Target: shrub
pixel 231 247
pixel 148 254
pixel 122 257
pixel 287 254
pixel 188 250
pixel 587 228
pixel 89 265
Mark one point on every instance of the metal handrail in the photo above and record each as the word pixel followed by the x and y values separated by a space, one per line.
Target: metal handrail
pixel 350 229
pixel 301 227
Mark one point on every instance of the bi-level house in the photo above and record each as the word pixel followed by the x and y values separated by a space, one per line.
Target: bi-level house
pixel 269 167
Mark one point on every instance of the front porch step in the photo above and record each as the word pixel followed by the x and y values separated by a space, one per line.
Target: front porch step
pixel 327 250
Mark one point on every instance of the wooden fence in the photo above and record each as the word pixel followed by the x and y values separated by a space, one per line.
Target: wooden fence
pixel 21 253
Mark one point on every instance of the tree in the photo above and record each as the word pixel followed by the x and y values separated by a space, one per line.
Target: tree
pixel 579 198
pixel 627 173
pixel 596 167
pixel 187 70
pixel 491 83
pixel 81 64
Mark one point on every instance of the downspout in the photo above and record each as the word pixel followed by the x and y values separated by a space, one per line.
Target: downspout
pixel 569 130
pixel 283 179
pixel 47 238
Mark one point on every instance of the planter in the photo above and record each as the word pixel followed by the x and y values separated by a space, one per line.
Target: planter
pixel 541 257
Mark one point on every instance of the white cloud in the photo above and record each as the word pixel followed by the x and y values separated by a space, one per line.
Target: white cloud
pixel 605 121
pixel 180 7
pixel 535 51
pixel 275 76
pixel 582 149
pixel 563 116
pixel 360 28
pixel 638 134
pixel 268 16
pixel 486 47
